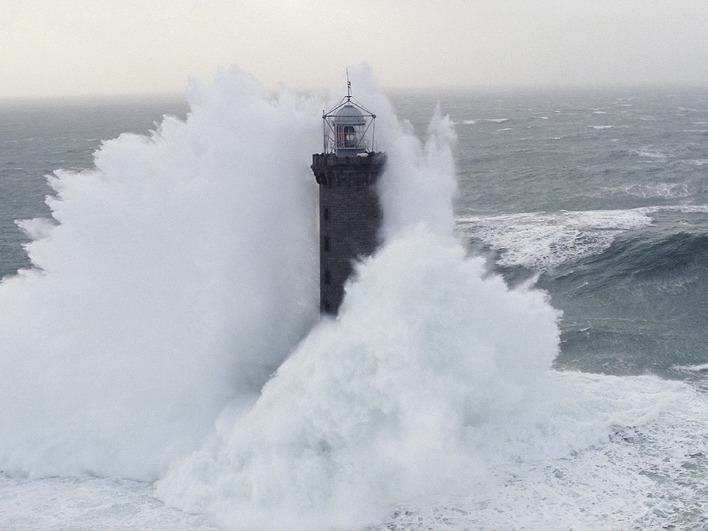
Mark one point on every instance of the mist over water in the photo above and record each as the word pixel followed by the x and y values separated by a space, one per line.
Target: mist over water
pixel 168 332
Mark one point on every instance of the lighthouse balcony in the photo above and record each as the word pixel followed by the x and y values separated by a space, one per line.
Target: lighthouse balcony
pixel 330 168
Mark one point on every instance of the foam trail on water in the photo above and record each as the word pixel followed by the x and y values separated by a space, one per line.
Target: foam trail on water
pixel 180 274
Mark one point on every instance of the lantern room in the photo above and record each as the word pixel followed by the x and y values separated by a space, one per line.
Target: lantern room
pixel 348 128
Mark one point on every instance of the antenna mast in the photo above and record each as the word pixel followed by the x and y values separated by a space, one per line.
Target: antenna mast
pixel 349 86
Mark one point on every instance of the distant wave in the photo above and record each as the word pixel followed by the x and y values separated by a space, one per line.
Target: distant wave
pixel 650 154
pixel 542 241
pixel 663 190
pixel 653 257
pixel 479 120
pixel 698 162
pixel 692 368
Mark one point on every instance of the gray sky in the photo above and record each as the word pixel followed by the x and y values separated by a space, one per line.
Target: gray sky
pixel 71 47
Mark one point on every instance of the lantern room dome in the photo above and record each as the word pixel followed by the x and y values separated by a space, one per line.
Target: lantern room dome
pixel 349 115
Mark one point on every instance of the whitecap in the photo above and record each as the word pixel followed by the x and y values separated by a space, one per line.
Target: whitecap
pixel 650 153
pixel 662 190
pixel 691 368
pixel 542 241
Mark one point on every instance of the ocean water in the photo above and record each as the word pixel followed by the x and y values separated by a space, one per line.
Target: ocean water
pixel 527 350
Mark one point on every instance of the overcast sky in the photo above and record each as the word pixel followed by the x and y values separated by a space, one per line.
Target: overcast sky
pixel 73 47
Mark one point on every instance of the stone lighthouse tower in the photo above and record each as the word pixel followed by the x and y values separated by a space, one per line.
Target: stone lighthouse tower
pixel 350 213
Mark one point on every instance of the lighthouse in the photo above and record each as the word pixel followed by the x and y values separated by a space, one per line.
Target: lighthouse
pixel 350 213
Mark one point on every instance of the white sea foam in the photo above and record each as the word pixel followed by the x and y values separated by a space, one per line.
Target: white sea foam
pixel 698 162
pixel 482 120
pixel 88 503
pixel 628 455
pixel 542 241
pixel 692 368
pixel 605 452
pixel 686 209
pixel 662 190
pixel 650 153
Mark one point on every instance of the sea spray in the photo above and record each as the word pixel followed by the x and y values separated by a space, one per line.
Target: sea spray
pixel 419 183
pixel 384 404
pixel 177 275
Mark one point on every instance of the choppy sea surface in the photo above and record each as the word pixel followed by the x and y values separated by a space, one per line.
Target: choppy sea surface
pixel 592 206
pixel 605 196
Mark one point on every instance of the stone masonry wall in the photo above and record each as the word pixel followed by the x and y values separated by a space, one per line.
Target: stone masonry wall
pixel 350 218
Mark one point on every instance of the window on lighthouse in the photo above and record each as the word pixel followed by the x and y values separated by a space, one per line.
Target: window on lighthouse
pixel 350 137
pixel 347 136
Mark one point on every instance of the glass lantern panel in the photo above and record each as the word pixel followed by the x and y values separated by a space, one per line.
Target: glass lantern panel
pixel 351 139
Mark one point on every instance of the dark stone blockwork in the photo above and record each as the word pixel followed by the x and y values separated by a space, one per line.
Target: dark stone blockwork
pixel 350 217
